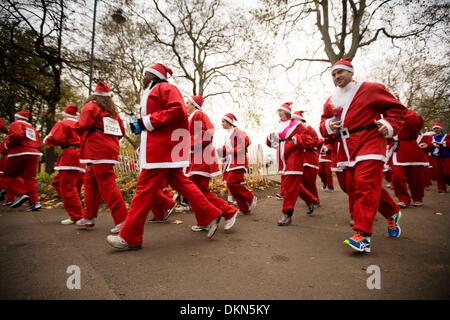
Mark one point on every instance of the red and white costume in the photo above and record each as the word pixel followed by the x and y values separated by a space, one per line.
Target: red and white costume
pixel 204 161
pixel 424 141
pixel 100 132
pixel 70 176
pixel 361 151
pixel 325 174
pixel 408 161
pixel 164 152
pixel 440 156
pixel 23 144
pixel 290 142
pixel 235 163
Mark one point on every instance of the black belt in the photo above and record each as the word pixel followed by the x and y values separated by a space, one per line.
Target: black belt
pixel 75 146
pixel 96 129
pixel 287 139
pixel 359 129
pixel 407 139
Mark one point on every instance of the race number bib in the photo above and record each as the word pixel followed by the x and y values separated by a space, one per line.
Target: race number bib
pixel 30 134
pixel 111 127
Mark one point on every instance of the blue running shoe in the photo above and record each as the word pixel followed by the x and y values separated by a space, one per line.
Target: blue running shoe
pixel 394 229
pixel 359 242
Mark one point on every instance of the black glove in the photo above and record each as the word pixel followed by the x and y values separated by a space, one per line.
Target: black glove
pixel 137 127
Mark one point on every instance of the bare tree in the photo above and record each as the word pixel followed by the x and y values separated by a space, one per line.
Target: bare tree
pixel 346 26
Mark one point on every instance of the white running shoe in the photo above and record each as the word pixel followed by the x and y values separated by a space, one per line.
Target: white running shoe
pixel 119 243
pixel 417 203
pixel 19 201
pixel 199 228
pixel 212 227
pixel 182 208
pixel 86 223
pixel 230 222
pixel 117 228
pixel 253 204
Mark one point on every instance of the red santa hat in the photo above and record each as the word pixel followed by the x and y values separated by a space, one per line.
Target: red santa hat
pixel 159 70
pixel 102 89
pixel 298 115
pixel 230 118
pixel 436 125
pixel 2 125
pixel 23 115
pixel 345 64
pixel 71 111
pixel 286 107
pixel 197 101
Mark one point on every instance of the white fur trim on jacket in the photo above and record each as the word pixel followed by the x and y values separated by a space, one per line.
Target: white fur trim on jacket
pixel 388 126
pixel 148 123
pixel 24 154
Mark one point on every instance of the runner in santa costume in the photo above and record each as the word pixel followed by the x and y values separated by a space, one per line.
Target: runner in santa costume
pixel 23 143
pixel 364 114
pixel 164 152
pixel 424 141
pixel 290 140
pixel 408 162
pixel 204 163
pixel 310 160
pixel 235 164
pixel 68 165
pixel 325 174
pixel 440 155
pixel 100 128
pixel 3 155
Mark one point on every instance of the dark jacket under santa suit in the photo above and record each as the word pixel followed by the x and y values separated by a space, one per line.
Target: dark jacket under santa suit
pixel 63 135
pixel 290 149
pixel 204 160
pixel 406 151
pixel 99 143
pixel 164 144
pixel 22 139
pixel 235 150
pixel 367 103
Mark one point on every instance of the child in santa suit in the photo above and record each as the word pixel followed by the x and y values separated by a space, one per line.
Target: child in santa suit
pixel 325 174
pixel 290 140
pixel 408 162
pixel 23 144
pixel 310 161
pixel 440 155
pixel 101 128
pixel 235 164
pixel 363 114
pixel 204 163
pixel 68 165
pixel 164 152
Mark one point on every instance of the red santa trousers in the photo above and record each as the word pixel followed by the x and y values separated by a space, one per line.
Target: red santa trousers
pixel 100 182
pixel 20 176
pixel 408 176
pixel 151 181
pixel 427 176
pixel 325 174
pixel 340 175
pixel 163 202
pixel 309 180
pixel 281 185
pixel 235 183
pixel 388 175
pixel 293 187
pixel 69 181
pixel 56 182
pixel 441 168
pixel 202 183
pixel 364 182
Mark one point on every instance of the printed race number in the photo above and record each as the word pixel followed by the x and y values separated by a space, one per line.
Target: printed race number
pixel 111 126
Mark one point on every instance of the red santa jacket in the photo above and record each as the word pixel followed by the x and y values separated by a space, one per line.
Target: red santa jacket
pixel 331 137
pixel 424 141
pixel 204 160
pixel 22 139
pixel 63 135
pixel 166 142
pixel 311 157
pixel 406 150
pixel 325 147
pixel 235 150
pixel 100 133
pixel 367 103
pixel 290 150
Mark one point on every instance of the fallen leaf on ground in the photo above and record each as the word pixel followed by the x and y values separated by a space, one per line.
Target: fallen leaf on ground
pixel 439 213
pixel 175 222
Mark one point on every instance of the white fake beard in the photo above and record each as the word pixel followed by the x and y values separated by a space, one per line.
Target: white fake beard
pixel 341 96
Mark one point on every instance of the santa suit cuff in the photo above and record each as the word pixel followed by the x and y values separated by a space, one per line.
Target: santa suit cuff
pixel 294 139
pixel 388 126
pixel 148 123
pixel 327 126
